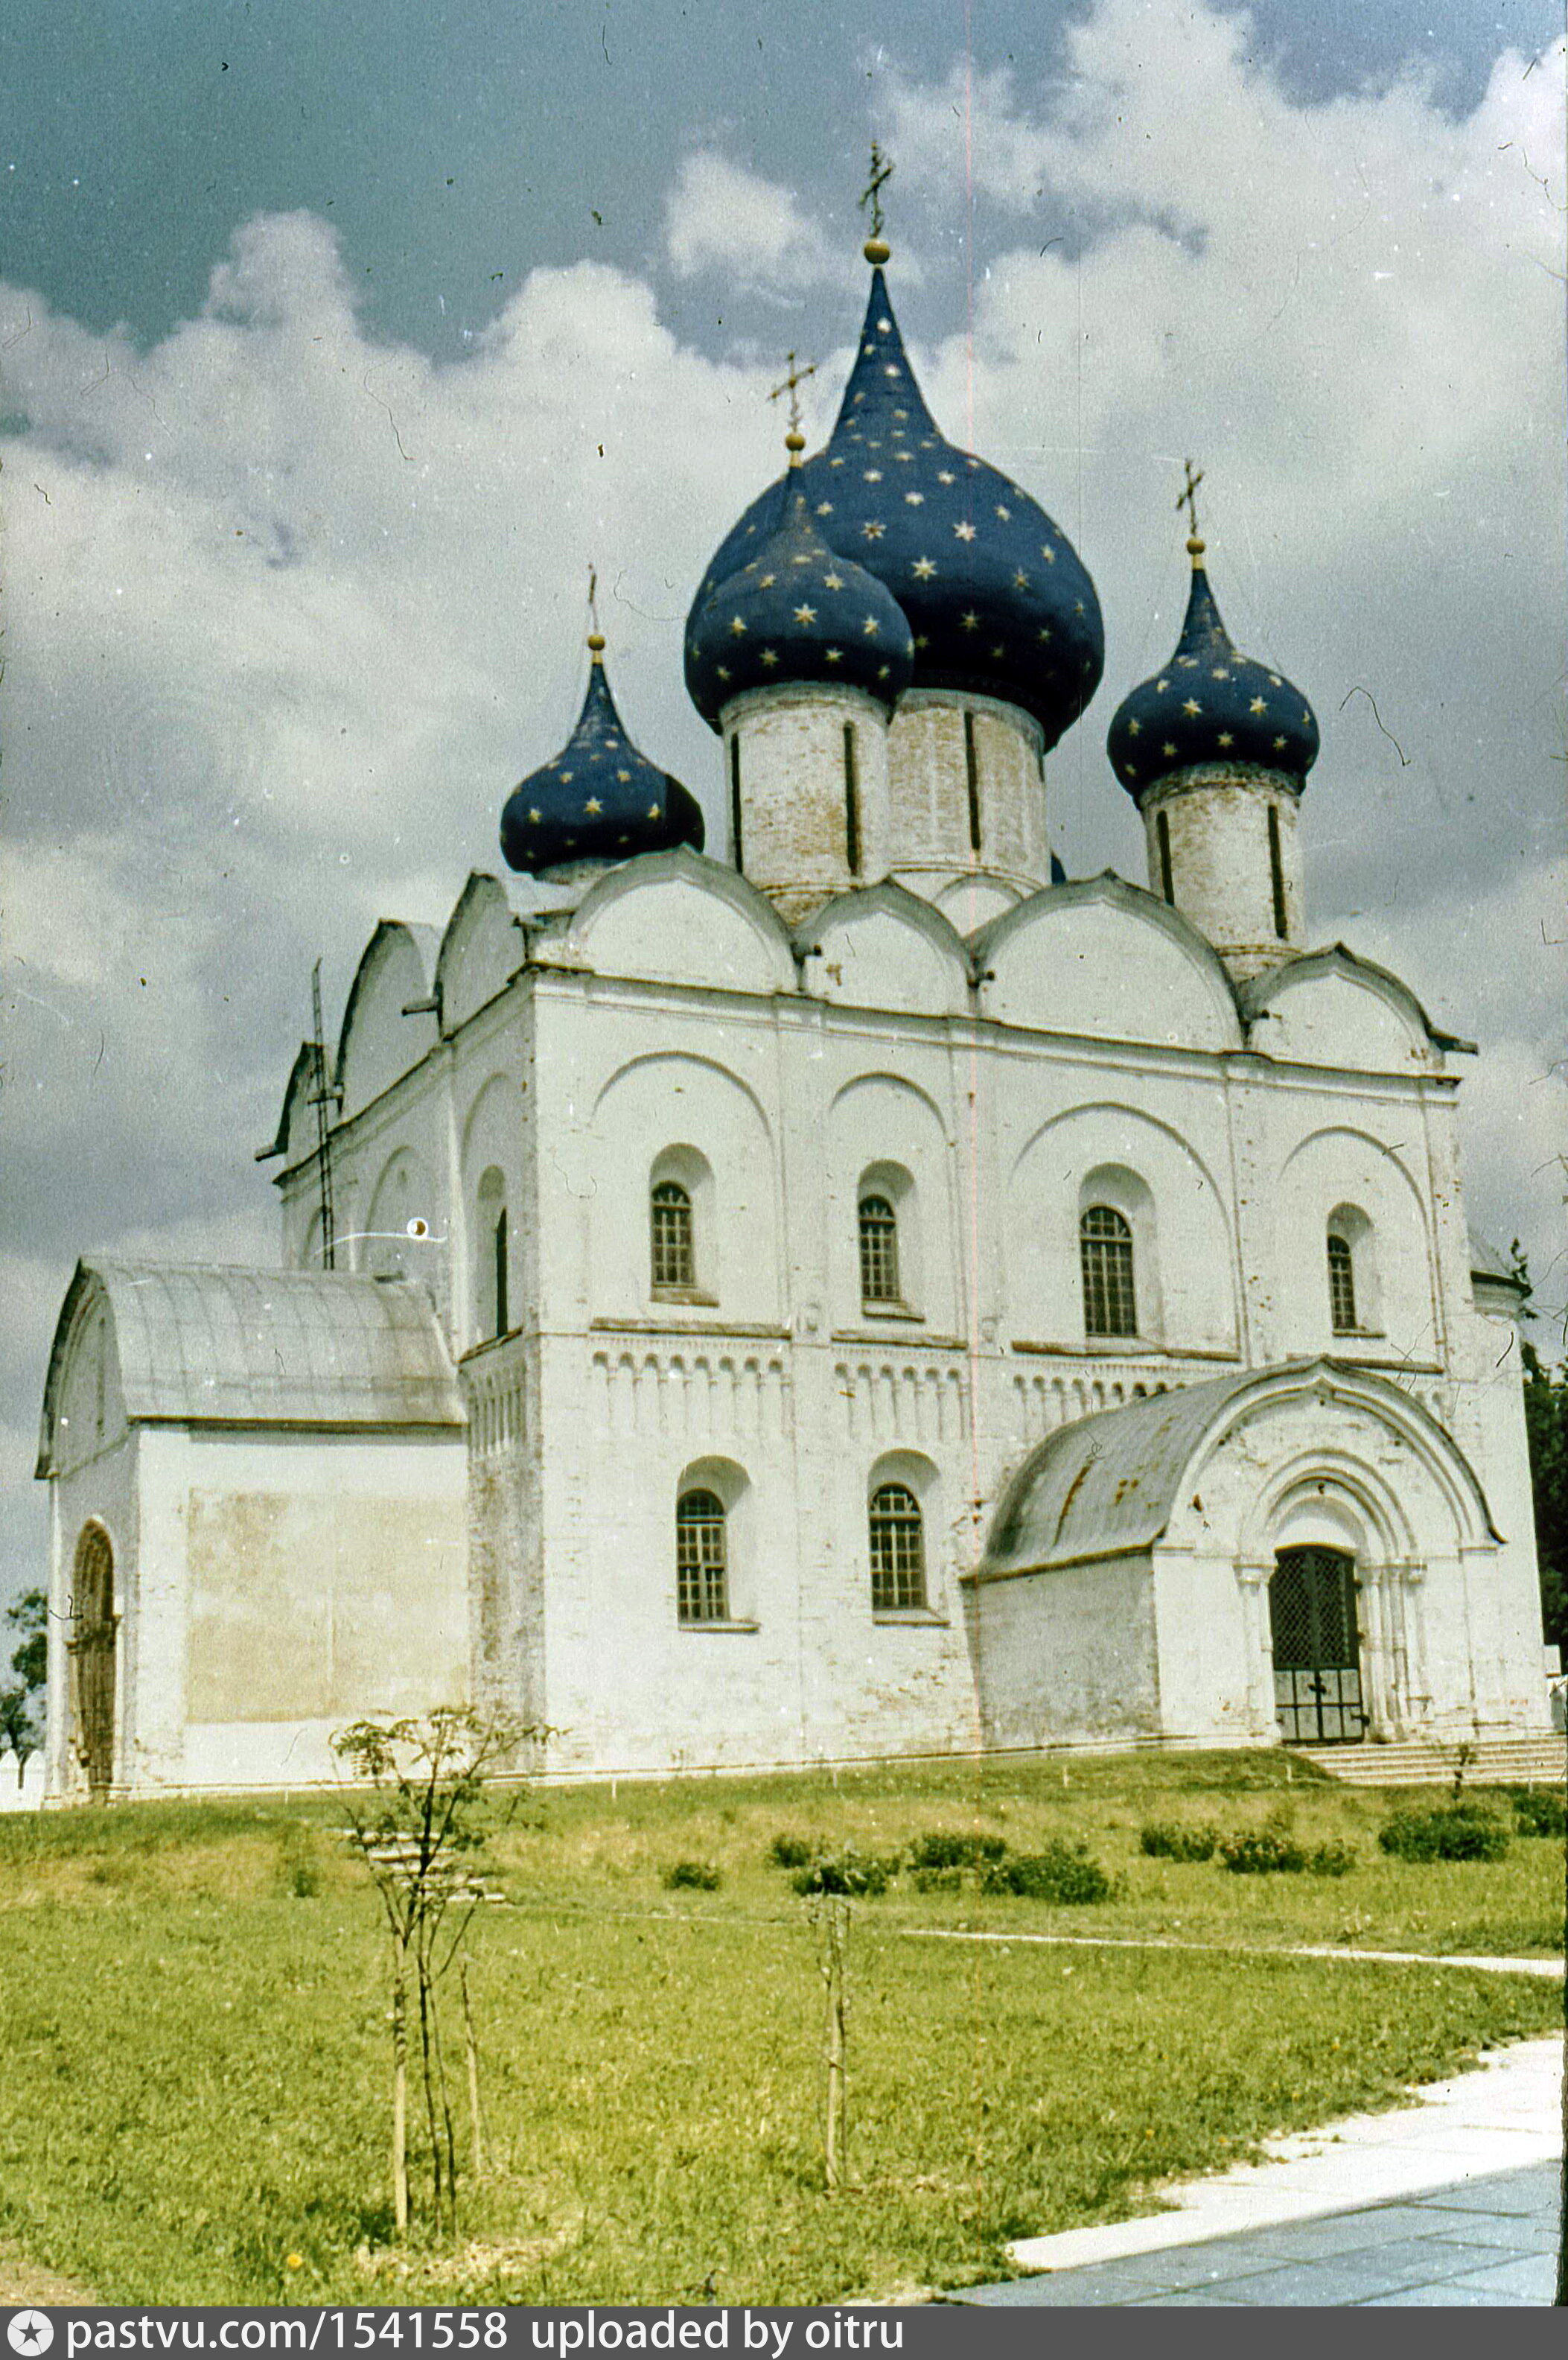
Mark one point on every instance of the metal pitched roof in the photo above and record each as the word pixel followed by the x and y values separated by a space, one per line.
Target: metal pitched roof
pixel 197 1345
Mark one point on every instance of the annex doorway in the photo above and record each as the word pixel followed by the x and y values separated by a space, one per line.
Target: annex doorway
pixel 1317 1647
pixel 92 1658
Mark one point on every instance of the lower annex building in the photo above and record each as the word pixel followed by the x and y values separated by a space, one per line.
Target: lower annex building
pixel 864 1294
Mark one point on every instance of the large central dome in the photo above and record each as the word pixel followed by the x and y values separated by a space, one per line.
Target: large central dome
pixel 997 598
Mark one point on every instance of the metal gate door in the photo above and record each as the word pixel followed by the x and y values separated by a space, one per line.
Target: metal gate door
pixel 1317 1655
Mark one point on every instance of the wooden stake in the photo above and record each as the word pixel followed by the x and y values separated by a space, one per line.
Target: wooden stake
pixel 476 2120
pixel 400 2089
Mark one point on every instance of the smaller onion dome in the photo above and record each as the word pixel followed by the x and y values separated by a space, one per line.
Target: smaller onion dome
pixel 796 613
pixel 1210 707
pixel 598 799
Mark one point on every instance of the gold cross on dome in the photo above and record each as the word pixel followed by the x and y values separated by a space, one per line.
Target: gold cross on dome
pixel 881 172
pixel 791 386
pixel 1188 498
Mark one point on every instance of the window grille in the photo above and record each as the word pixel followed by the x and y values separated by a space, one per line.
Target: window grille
pixel 671 1207
pixel 702 1559
pixel 1341 1287
pixel 501 1307
pixel 878 1251
pixel 1105 1245
pixel 898 1550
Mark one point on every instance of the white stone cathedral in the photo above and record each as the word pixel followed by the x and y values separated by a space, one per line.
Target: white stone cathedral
pixel 861 1296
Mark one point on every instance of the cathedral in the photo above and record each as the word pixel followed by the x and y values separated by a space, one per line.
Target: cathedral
pixel 851 1293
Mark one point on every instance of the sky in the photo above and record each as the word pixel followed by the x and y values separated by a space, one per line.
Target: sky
pixel 337 342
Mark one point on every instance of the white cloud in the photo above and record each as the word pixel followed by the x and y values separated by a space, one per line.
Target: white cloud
pixel 722 219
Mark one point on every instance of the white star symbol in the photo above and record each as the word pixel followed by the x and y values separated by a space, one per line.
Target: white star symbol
pixel 1005 515
pixel 769 656
pixel 1258 704
pixel 805 614
pixel 1047 551
pixel 915 499
pixel 946 475
pixel 873 532
pixel 965 530
pixel 873 474
pixel 971 621
pixel 923 569
pixel 833 582
pixel 593 804
pixel 871 627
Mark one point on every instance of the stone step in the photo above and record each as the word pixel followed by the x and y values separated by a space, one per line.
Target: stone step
pixel 1532 1758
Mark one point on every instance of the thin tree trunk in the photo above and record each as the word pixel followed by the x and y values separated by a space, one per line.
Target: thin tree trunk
pixel 399 2087
pixel 449 2135
pixel 834 1933
pixel 471 2047
pixel 428 2064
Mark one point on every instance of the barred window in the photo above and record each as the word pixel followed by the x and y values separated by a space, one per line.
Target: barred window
pixel 1105 1245
pixel 702 1559
pixel 1341 1287
pixel 898 1550
pixel 878 1251
pixel 671 1208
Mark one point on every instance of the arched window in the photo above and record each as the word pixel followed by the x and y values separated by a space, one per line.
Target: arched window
pixel 1341 1286
pixel 702 1558
pixel 492 1291
pixel 670 1210
pixel 898 1550
pixel 878 1251
pixel 1104 1246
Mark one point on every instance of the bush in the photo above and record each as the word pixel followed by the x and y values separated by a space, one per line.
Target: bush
pixel 1165 1840
pixel 1063 1873
pixel 788 1852
pixel 1335 1858
pixel 1458 1831
pixel 1538 1811
pixel 860 1876
pixel 1262 1852
pixel 937 1880
pixel 693 1876
pixel 947 1851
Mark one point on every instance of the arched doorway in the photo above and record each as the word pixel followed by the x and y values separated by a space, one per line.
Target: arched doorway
pixel 1317 1647
pixel 92 1658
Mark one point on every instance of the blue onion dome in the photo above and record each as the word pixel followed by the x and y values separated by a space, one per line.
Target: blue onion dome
pixel 998 600
pixel 598 799
pixel 795 612
pixel 1210 707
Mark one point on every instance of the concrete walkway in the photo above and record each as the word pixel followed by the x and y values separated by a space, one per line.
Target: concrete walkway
pixel 1550 1968
pixel 1371 2209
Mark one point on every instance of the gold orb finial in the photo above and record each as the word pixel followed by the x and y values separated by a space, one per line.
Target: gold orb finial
pixel 596 645
pixel 794 444
pixel 876 251
pixel 1194 547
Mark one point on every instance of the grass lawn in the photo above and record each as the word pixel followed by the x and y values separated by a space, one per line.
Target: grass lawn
pixel 195 2035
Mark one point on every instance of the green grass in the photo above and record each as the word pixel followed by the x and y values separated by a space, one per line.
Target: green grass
pixel 195 2047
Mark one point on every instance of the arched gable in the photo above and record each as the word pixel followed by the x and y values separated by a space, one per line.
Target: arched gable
pixel 1333 1009
pixel 480 950
pixel 379 1043
pixel 296 1124
pixel 1210 1464
pixel 883 947
pixel 1186 1292
pixel 1105 960
pixel 675 917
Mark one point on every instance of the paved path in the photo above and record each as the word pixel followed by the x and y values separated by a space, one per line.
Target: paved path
pixel 1485 2144
pixel 1552 1967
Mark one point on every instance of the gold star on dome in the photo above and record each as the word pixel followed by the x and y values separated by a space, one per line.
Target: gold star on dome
pixel 1193 707
pixel 1160 686
pixel 1047 551
pixel 964 529
pixel 1005 514
pixel 536 816
pixel 1279 745
pixel 767 580
pixel 923 569
pixel 832 655
pixel 593 804
pixel 566 778
pixel 1220 673
pixel 653 811
pixel 805 614
pixel 624 775
pixel 1128 769
pixel 883 671
pixel 800 558
pixel 1135 728
pixel 739 627
pixel 873 474
pixel 722 670
pixel 873 532
pixel 825 507
pixel 769 656
pixel 871 627
pixel 971 621
pixel 1168 749
pixel 1043 634
pixel 914 499
pixel 833 582
pixel 923 638
pixel 1275 680
pixel 1188 663
pixel 1225 738
pixel 890 369
pixel 946 475
pixel 906 458
pixel 997 652
pixel 1258 704
pixel 835 462
pixel 1020 580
